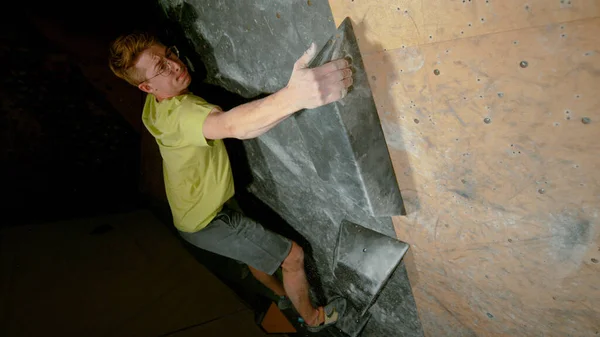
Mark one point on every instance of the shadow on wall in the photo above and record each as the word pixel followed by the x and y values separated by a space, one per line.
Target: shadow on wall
pixel 194 48
pixel 388 112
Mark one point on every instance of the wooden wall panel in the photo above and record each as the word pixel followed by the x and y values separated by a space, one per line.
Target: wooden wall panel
pixel 394 23
pixel 503 216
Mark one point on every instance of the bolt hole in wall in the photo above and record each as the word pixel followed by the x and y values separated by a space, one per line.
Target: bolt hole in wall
pixel 513 81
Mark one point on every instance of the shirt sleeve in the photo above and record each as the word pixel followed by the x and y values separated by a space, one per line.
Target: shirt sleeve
pixel 192 114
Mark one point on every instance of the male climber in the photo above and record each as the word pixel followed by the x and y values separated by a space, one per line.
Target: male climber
pixel 197 173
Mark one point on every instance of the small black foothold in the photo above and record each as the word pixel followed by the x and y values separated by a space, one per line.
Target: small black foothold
pixel 509 240
pixel 586 120
pixel 487 120
pixel 416 121
pixel 523 64
pixel 436 72
pixel 364 250
pixel 594 260
pixel 500 94
pixel 541 191
pixel 489 315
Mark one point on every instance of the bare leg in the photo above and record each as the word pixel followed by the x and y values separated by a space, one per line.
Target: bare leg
pixel 296 286
pixel 269 281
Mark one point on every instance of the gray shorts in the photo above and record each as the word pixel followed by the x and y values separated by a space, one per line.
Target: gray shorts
pixel 234 235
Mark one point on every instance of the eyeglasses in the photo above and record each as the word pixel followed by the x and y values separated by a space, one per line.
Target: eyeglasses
pixel 164 66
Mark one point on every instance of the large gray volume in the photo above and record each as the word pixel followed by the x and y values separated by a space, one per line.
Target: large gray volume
pixel 249 48
pixel 345 139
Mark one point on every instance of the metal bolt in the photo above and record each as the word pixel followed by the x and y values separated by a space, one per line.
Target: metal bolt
pixel 364 250
pixel 523 64
pixel 541 191
pixel 436 72
pixel 500 94
pixel 487 120
pixel 586 120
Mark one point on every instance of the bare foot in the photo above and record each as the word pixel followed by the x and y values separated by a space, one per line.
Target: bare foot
pixel 320 319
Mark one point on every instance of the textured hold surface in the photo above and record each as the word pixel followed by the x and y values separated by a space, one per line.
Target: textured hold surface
pixel 364 262
pixel 232 36
pixel 289 166
pixel 356 159
pixel 352 323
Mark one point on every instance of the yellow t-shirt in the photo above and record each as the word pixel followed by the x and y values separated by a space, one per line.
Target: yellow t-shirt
pixel 197 172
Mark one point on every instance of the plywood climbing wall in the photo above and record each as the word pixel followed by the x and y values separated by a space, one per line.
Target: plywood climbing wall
pixel 491 112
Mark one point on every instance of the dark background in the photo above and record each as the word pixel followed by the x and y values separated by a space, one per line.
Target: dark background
pixel 66 151
pixel 73 145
